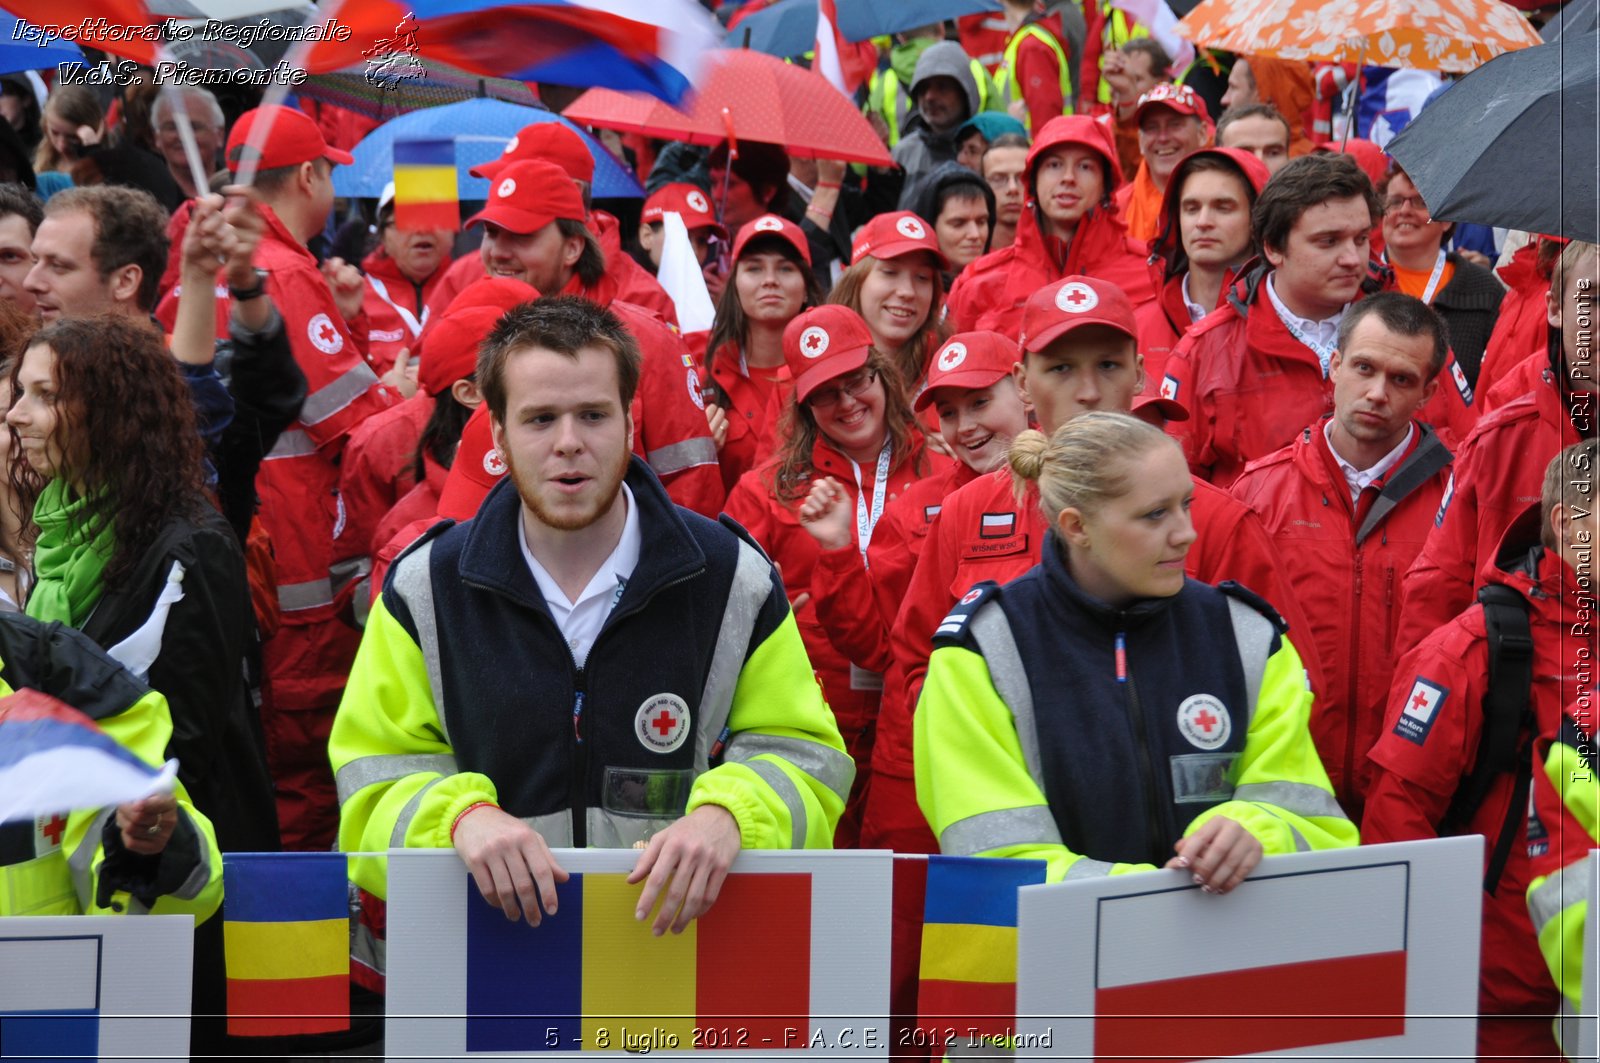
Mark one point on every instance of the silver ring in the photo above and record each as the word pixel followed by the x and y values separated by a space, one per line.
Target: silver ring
pixel 154 828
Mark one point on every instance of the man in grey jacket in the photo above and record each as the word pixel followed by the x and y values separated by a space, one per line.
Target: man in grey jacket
pixel 946 92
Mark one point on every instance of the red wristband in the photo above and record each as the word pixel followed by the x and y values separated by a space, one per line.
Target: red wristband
pixel 463 815
pixel 829 184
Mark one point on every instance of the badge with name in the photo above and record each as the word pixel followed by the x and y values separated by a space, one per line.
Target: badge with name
pixel 662 723
pixel 1204 721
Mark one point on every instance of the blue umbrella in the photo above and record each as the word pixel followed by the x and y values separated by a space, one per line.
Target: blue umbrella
pixel 789 27
pixel 481 129
pixel 24 51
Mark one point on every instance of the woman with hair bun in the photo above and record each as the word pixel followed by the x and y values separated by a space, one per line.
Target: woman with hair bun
pixel 1165 720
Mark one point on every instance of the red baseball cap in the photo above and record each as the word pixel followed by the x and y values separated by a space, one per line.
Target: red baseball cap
pixel 1057 309
pixel 477 468
pixel 772 225
pixel 294 138
pixel 548 141
pixel 682 198
pixel 968 360
pixel 528 195
pixel 1157 409
pixel 450 349
pixel 1179 98
pixel 893 235
pixel 502 293
pixel 823 343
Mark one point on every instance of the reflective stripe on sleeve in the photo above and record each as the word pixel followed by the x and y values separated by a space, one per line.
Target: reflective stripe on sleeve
pixel 1302 799
pixel 365 771
pixel 1033 825
pixel 677 457
pixel 338 393
pixel 413 582
pixel 1010 678
pixel 752 584
pixel 831 768
pixel 775 777
pixel 402 822
pixel 81 862
pixel 294 597
pixel 1253 634
pixel 1560 891
pixel 200 877
pixel 1087 868
pixel 293 443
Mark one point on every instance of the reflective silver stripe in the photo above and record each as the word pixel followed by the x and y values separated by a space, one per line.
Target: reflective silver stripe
pixel 1254 634
pixel 831 768
pixel 1032 825
pixel 1300 798
pixel 293 443
pixel 1010 677
pixel 361 602
pixel 612 830
pixel 402 823
pixel 413 582
pixel 677 457
pixel 201 875
pixel 80 863
pixel 554 827
pixel 752 585
pixel 789 794
pixel 1560 891
pixel 1087 868
pixel 293 597
pixel 354 568
pixel 367 949
pixel 365 771
pixel 338 393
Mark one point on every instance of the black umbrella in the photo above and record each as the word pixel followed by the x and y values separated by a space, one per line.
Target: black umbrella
pixel 1515 143
pixel 1579 16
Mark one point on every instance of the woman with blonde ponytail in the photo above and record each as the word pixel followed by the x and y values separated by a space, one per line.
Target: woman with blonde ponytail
pixel 1163 719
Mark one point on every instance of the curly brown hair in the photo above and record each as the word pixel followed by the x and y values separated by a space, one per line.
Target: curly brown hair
pixel 134 440
pixel 792 475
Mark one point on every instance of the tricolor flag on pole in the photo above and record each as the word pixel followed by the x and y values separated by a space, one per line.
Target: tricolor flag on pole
pixel 425 195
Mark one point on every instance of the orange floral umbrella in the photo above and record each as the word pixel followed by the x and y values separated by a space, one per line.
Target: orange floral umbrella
pixel 1444 35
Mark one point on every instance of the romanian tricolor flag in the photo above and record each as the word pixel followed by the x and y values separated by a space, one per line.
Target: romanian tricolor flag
pixel 286 933
pixel 425 196
pixel 969 945
pixel 593 978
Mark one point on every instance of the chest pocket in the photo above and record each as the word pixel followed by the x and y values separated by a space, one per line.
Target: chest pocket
pixel 1202 778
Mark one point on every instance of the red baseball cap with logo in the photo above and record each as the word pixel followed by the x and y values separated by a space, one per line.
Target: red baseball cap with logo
pixel 968 360
pixel 526 196
pixel 772 225
pixel 1179 98
pixel 294 138
pixel 685 199
pixel 1057 309
pixel 823 343
pixel 893 235
pixel 450 347
pixel 477 468
pixel 547 141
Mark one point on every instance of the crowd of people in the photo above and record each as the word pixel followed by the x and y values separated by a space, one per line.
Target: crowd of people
pixel 1104 483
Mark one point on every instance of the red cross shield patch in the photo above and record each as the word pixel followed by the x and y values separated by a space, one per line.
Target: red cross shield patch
pixel 1204 721
pixel 662 723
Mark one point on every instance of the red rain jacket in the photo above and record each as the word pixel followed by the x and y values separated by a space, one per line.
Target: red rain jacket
pixel 388 331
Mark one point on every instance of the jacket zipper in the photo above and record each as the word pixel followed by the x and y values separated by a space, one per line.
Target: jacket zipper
pixel 579 799
pixel 1153 815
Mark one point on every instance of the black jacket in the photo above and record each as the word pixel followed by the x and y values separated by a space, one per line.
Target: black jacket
pixel 1470 305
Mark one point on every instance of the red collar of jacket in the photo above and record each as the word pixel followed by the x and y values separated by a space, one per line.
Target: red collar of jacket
pixel 603 293
pixel 379 264
pixel 277 233
pixel 1099 234
pixel 1315 457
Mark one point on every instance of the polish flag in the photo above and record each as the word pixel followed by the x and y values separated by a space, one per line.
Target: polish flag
pixel 1278 974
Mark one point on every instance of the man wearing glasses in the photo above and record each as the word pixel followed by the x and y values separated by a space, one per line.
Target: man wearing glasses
pixel 205 118
pixel 1004 166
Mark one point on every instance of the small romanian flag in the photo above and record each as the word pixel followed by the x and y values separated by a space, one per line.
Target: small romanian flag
pixel 592 975
pixel 425 196
pixel 968 970
pixel 286 933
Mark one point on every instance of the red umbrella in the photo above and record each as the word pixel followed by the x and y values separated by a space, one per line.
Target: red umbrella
pixel 746 95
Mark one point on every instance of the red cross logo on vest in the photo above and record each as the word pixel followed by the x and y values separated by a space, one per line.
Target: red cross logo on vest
pixel 1076 297
pixel 814 342
pixel 323 335
pixel 52 829
pixel 1205 721
pixel 662 723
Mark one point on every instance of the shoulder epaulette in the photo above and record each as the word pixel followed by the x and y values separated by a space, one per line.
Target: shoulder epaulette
pixel 952 630
pixel 1249 597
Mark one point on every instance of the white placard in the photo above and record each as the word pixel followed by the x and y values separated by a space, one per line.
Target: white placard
pixel 1357 950
pixel 113 988
pixel 438 1004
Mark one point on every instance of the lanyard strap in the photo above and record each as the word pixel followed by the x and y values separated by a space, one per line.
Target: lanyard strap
pixel 865 521
pixel 406 316
pixel 1433 279
pixel 1323 351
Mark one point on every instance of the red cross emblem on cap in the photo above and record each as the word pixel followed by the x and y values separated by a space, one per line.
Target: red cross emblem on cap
pixel 910 228
pixel 507 187
pixel 697 202
pixel 952 355
pixel 814 342
pixel 1076 298
pixel 511 145
pixel 768 224
pixel 493 463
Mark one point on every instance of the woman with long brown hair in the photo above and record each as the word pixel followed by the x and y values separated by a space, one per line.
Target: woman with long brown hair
pixel 896 283
pixel 745 375
pixel 68 110
pixel 848 424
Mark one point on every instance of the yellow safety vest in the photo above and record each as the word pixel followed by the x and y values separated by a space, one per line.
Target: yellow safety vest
pixel 1115 34
pixel 1007 75
pixel 892 104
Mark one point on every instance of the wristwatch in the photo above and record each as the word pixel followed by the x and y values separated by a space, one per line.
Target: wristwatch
pixel 255 291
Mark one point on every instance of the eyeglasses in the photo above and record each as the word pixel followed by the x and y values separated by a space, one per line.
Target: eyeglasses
pixel 852 385
pixel 1394 203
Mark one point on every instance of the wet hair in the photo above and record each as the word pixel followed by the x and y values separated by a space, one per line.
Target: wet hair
pixel 592 260
pixel 76 106
pixel 1301 185
pixel 1008 140
pixel 17 199
pixel 130 229
pixel 1085 464
pixel 131 434
pixel 731 326
pixel 1405 315
pixel 1569 481
pixel 1253 110
pixel 912 361
pixel 792 476
pixel 565 324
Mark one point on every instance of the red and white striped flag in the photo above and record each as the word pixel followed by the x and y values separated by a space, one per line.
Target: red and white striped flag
pixel 844 65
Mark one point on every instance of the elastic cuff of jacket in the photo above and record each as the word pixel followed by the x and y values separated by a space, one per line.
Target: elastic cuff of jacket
pixel 746 813
pixel 443 837
pixel 840 560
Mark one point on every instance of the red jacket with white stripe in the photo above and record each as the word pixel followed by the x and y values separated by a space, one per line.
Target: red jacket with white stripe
pixel 396 308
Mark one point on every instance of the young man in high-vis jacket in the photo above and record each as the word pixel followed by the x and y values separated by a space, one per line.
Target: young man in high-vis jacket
pixel 584 663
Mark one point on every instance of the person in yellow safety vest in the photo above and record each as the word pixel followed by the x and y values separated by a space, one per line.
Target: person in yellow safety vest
pixel 1103 712
pixel 161 857
pixel 1035 76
